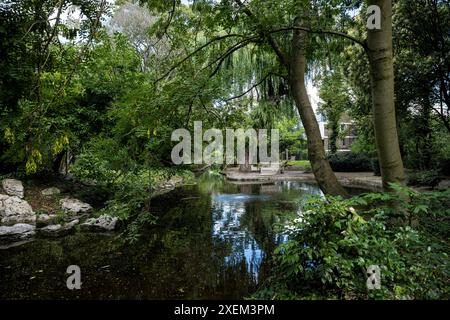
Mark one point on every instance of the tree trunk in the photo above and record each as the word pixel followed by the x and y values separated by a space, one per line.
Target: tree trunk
pixel 246 167
pixel 321 168
pixel 380 54
pixel 334 128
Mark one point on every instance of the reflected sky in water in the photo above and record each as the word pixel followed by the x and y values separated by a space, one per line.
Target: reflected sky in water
pixel 229 209
pixel 227 214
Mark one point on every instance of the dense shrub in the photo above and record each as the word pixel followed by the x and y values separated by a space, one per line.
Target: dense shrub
pixel 444 166
pixel 350 162
pixel 106 166
pixel 424 178
pixel 332 244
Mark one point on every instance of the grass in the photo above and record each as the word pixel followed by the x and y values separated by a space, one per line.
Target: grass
pixel 299 163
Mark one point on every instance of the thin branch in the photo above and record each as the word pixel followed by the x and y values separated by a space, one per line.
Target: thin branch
pixel 230 50
pixel 250 89
pixel 33 24
pixel 227 54
pixel 320 31
pixel 54 32
pixel 169 21
pixel 179 63
pixel 211 111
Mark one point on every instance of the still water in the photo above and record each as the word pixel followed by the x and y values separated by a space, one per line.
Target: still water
pixel 212 240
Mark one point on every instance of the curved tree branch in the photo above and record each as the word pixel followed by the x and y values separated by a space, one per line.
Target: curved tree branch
pixel 228 53
pixel 320 31
pixel 251 88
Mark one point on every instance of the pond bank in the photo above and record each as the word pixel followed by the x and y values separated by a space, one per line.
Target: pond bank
pixel 361 180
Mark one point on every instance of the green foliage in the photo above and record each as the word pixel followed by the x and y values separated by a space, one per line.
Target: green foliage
pixel 333 241
pixel 350 162
pixel 133 231
pixel 424 178
pixel 300 163
pixel 291 136
pixel 41 116
pixel 336 101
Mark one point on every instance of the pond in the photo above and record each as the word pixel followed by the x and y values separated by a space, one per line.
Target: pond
pixel 212 240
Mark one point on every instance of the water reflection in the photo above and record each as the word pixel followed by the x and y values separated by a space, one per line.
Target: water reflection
pixel 226 214
pixel 212 241
pixel 228 211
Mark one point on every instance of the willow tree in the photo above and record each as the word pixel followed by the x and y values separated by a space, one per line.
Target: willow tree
pixel 283 29
pixel 231 26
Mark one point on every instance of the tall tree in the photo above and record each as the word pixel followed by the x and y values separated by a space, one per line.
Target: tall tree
pixel 321 167
pixel 264 24
pixel 379 50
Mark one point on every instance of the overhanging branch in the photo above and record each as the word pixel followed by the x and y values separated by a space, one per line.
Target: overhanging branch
pixel 179 63
pixel 320 31
pixel 252 87
pixel 228 53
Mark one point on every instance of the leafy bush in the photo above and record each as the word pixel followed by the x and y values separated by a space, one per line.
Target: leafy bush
pixel 133 189
pixel 105 164
pixel 332 244
pixel 350 162
pixel 424 178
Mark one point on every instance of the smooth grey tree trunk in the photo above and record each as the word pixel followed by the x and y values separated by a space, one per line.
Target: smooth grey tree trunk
pixel 379 49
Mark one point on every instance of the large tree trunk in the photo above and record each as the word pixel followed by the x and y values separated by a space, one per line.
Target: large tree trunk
pixel 382 81
pixel 321 168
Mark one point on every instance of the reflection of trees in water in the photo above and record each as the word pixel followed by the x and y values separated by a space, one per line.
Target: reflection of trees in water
pixel 227 215
pixel 247 226
pixel 247 229
pixel 181 257
pixel 245 188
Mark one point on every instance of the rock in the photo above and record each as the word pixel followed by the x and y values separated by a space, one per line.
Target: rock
pixel 15 210
pixel 164 185
pixel 58 230
pixel 13 187
pixel 17 232
pixel 102 223
pixel 74 206
pixel 170 184
pixel 443 185
pixel 71 224
pixel 51 230
pixel 45 219
pixel 50 192
pixel 176 180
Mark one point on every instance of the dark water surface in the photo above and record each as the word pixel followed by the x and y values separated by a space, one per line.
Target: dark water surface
pixel 211 241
